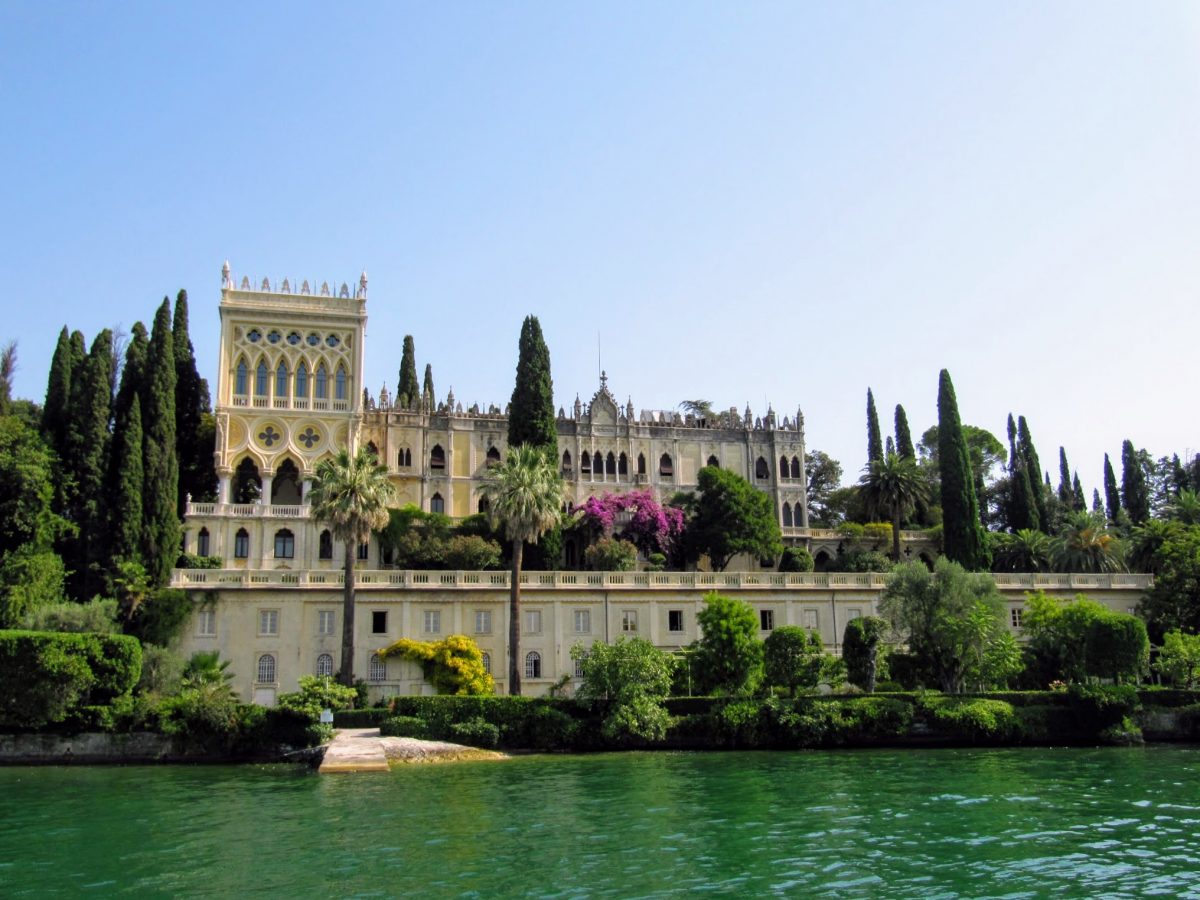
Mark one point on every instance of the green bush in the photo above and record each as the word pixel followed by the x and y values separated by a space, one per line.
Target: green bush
pixel 475 733
pixel 1098 707
pixel 360 718
pixel 973 719
pixel 318 693
pixel 610 554
pixel 404 726
pixel 162 618
pixel 96 617
pixel 47 674
pixel 195 561
pixel 861 561
pixel 796 559
pixel 852 530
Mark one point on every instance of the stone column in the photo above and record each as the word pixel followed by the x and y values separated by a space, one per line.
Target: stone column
pixel 223 485
pixel 305 487
pixel 265 497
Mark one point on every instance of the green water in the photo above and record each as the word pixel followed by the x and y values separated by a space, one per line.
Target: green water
pixel 942 823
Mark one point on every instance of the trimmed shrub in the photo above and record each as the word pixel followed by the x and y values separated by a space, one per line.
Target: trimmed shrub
pixel 475 733
pixel 796 559
pixel 1098 707
pixel 971 719
pixel 404 726
pixel 360 718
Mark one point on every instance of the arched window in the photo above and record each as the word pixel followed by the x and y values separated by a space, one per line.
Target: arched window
pixel 566 462
pixel 243 374
pixel 247 483
pixel 377 670
pixel 665 467
pixel 302 382
pixel 339 386
pixel 622 464
pixel 364 550
pixel 598 463
pixel 285 486
pixel 321 391
pixel 486 659
pixel 281 381
pixel 641 464
pixel 404 458
pixel 585 464
pixel 533 664
pixel 713 462
pixel 761 470
pixel 493 457
pixel 437 504
pixel 325 664
pixel 610 464
pixel 325 545
pixel 484 506
pixel 795 467
pixel 374 450
pixel 437 457
pixel 266 669
pixel 285 544
pixel 241 544
pixel 202 542
pixel 787 515
pixel 260 380
pixel 783 467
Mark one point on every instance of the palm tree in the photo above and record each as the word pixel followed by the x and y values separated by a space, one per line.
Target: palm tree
pixel 351 495
pixel 524 493
pixel 1185 508
pixel 1028 550
pixel 1086 545
pixel 1145 542
pixel 896 484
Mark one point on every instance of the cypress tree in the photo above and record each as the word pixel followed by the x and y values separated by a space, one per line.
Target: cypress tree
pixel 197 472
pixel 1135 495
pixel 126 486
pixel 874 436
pixel 904 442
pixel 406 390
pixel 1034 465
pixel 133 373
pixel 962 531
pixel 161 534
pixel 8 368
pixel 427 387
pixel 91 404
pixel 889 448
pixel 531 412
pixel 1078 501
pixel 1111 496
pixel 1066 492
pixel 1097 503
pixel 58 394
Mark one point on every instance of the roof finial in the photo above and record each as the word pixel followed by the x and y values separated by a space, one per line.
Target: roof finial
pixel 362 284
pixel 226 281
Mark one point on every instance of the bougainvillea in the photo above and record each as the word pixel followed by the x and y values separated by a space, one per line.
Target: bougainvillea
pixel 636 517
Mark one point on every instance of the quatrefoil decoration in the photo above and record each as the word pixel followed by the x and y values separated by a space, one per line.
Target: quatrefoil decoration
pixel 309 438
pixel 269 436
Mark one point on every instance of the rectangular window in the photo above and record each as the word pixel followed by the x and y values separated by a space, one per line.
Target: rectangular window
pixel 810 619
pixel 379 621
pixel 241 544
pixel 363 550
pixel 325 621
pixel 1016 617
pixel 852 614
pixel 675 620
pixel 629 620
pixel 766 620
pixel 285 544
pixel 268 621
pixel 533 621
pixel 483 621
pixel 433 621
pixel 206 623
pixel 583 621
pixel 202 542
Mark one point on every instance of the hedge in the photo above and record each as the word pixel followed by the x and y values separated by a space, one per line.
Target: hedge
pixel 46 675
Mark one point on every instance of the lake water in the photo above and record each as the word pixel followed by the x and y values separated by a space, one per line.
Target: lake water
pixel 940 823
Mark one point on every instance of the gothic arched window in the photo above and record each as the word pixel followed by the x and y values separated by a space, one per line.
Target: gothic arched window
pixel 243 374
pixel 322 387
pixel 761 470
pixel 787 515
pixel 302 382
pixel 281 380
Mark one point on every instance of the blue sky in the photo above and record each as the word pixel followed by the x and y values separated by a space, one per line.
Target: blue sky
pixel 781 203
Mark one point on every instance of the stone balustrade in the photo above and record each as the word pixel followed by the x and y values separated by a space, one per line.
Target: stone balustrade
pixel 248 510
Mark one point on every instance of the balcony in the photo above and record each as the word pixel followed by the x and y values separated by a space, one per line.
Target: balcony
pixel 247 510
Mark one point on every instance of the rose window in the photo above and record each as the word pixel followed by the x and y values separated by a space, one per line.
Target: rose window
pixel 309 438
pixel 269 436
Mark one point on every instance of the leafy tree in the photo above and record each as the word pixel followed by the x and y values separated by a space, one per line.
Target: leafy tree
pixel 407 387
pixel 26 488
pixel 950 617
pixel 1111 495
pixel 611 554
pixel 963 534
pixel 860 650
pixel 318 693
pixel 1174 601
pixel 904 441
pixel 453 665
pixel 351 495
pixel 1117 647
pixel 701 409
pixel 1086 545
pixel 861 561
pixel 197 472
pixel 874 436
pixel 1057 634
pixel 729 655
pixel 985 451
pixel 531 413
pixel 796 559
pixel 1135 495
pixel 30 580
pixel 822 476
pixel 56 410
pixel 471 552
pixel 894 483
pixel 630 678
pixel 161 532
pixel 1025 551
pixel 731 516
pixel 792 659
pixel 1179 658
pixel 524 494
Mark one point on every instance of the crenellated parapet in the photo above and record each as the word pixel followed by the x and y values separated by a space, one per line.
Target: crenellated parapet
pixel 286 286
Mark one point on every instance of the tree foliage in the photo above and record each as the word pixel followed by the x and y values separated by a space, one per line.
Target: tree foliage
pixel 793 659
pixel 1174 601
pixel 896 485
pixel 407 389
pixel 630 678
pixel 649 525
pixel 904 441
pixel 453 665
pixel 963 535
pixel 1072 640
pixel 1135 493
pixel 1179 658
pixel 731 516
pixel 531 412
pixel 822 477
pixel 161 532
pixel 729 655
pixel 1112 497
pixel 874 435
pixel 860 650
pixel 197 473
